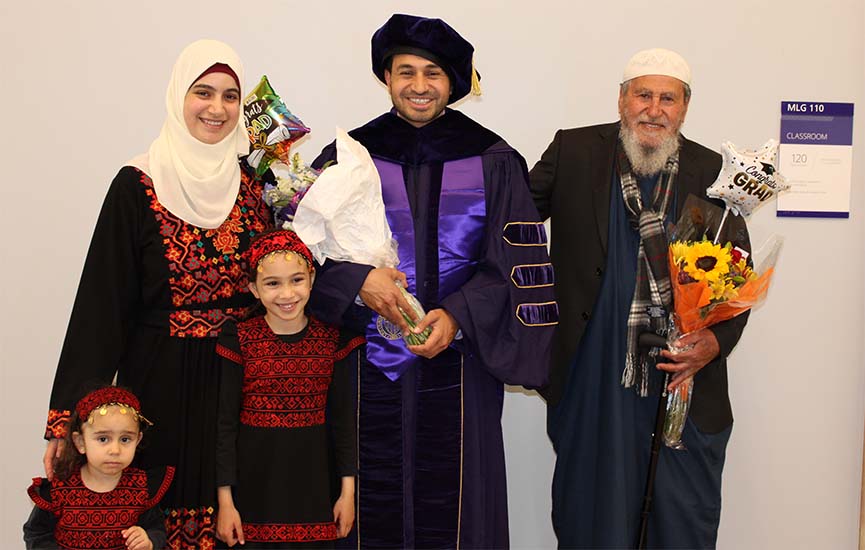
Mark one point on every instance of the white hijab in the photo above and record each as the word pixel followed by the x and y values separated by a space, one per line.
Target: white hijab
pixel 195 181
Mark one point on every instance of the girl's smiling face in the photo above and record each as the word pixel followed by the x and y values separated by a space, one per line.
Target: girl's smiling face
pixel 283 283
pixel 109 442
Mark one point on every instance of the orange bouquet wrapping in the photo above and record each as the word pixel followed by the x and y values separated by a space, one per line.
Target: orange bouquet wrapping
pixel 700 303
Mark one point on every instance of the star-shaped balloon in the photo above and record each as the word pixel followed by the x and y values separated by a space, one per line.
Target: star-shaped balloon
pixel 748 178
pixel 272 128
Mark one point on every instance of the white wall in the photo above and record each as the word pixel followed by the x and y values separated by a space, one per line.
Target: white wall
pixel 83 86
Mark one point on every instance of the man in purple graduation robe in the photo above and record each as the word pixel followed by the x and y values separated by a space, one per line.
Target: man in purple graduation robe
pixel 472 249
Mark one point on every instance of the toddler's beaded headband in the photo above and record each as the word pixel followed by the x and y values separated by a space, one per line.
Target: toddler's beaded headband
pixel 275 242
pixel 98 401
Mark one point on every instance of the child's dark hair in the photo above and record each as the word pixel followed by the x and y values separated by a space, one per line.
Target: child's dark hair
pixel 70 459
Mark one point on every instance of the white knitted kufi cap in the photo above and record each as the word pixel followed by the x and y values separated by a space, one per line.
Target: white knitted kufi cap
pixel 657 61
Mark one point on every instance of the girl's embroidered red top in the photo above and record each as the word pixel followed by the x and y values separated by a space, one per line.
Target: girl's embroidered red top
pixel 85 519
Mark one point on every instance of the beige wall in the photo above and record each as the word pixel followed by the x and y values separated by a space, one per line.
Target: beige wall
pixel 83 86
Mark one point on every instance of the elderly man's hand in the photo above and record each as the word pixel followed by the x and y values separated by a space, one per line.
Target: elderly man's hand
pixel 380 293
pixel 444 329
pixel 686 363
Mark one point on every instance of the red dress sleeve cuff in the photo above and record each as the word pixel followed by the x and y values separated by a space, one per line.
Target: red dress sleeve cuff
pixel 57 421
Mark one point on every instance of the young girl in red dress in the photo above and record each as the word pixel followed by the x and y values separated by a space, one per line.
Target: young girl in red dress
pixel 286 439
pixel 95 500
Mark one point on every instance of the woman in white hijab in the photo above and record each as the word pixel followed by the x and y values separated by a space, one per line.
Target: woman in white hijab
pixel 162 275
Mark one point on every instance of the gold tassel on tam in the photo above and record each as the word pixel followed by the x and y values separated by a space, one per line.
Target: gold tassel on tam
pixel 476 80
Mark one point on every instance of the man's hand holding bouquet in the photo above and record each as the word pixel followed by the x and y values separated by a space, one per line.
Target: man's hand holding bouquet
pixel 712 279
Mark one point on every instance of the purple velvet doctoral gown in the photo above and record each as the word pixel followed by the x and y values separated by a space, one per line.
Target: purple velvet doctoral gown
pixel 431 457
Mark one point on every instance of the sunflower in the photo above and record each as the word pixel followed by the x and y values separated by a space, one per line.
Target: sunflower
pixel 705 261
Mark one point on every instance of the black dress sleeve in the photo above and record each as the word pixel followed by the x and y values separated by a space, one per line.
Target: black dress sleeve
pixel 39 528
pixel 106 302
pixel 342 405
pixel 230 398
pixel 153 523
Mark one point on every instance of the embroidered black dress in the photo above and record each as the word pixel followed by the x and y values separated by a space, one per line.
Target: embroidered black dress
pixel 274 448
pixel 69 515
pixel 154 294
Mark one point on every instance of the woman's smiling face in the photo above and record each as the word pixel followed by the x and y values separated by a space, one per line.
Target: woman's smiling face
pixel 211 107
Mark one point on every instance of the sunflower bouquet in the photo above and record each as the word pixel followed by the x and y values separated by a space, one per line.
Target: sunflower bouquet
pixel 711 283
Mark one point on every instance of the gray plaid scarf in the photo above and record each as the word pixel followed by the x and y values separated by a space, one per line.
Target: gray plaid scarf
pixel 653 293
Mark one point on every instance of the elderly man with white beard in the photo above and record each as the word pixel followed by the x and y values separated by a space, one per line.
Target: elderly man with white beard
pixel 609 190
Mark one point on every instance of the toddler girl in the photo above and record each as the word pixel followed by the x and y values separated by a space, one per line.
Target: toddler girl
pixel 95 499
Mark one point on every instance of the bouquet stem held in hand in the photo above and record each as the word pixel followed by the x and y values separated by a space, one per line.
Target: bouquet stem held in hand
pixel 411 338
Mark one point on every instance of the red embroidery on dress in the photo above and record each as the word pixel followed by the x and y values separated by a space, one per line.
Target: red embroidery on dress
pixel 229 354
pixel 57 421
pixel 285 384
pixel 292 532
pixel 86 519
pixel 351 345
pixel 33 492
pixel 191 528
pixel 281 419
pixel 163 488
pixel 205 264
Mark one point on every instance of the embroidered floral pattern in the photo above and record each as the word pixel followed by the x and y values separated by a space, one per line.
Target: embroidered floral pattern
pixel 206 264
pixel 191 528
pixel 57 421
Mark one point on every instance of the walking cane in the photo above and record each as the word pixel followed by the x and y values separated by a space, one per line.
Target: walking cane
pixel 652 340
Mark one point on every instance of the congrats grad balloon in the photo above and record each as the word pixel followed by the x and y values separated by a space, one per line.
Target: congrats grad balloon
pixel 271 127
pixel 748 178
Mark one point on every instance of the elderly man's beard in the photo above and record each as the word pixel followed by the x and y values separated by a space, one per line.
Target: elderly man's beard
pixel 647 160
